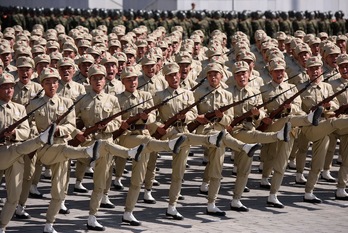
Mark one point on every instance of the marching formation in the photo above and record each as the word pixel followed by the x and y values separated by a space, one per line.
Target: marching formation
pixel 98 95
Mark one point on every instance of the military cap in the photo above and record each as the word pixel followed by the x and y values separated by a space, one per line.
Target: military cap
pixel 21 37
pixel 5 49
pixel 277 64
pixel 114 43
pixel 84 43
pixel 60 29
pixel 24 62
pixel 315 40
pixel 294 42
pixel 103 28
pixel 331 48
pixel 196 39
pixel 170 68
pixel 314 61
pixel 178 28
pixel 302 48
pixel 288 39
pixel 149 59
pixel 141 43
pixel 162 44
pixel 40 41
pixel 199 33
pixel 120 56
pixel 96 69
pixel 112 36
pixel 341 37
pixel 86 58
pixel 97 39
pixel 323 35
pixel 20 44
pixel 66 61
pixel 38 49
pixel 157 52
pixel 49 72
pixel 130 50
pixel 56 55
pixel 94 50
pixel 127 39
pixel 23 51
pixel 6 78
pixel 52 45
pixel 308 37
pixel 96 32
pixel 69 47
pixel 240 66
pixel 280 35
pixel 119 31
pixel 51 37
pixel 299 34
pixel 342 59
pixel 247 55
pixel 42 58
pixel 174 38
pixel 87 36
pixel 138 31
pixel 37 32
pixel 214 50
pixel 129 71
pixel 8 35
pixel 108 58
pixel 151 39
pixel 183 57
pixel 213 66
pixel 17 28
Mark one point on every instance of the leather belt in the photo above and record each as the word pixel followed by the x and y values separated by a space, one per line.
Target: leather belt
pixel 137 127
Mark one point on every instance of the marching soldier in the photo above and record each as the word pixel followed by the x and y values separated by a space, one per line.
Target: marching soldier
pixel 14 145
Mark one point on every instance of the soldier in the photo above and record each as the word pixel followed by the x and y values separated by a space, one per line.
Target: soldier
pixel 218 98
pixel 137 133
pixel 57 155
pixel 331 52
pixel 84 63
pixel 14 145
pixel 337 85
pixel 292 113
pixel 6 57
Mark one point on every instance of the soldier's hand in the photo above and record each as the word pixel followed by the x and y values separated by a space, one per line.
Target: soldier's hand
pixel 229 128
pixel 327 105
pixel 124 125
pixel 9 134
pixel 201 119
pixel 267 120
pixel 219 114
pixel 161 131
pixel 181 117
pixel 144 116
pixel 80 137
pixel 255 111
pixel 287 106
pixel 101 127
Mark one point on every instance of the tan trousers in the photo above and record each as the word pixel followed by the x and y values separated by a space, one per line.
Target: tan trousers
pixel 243 162
pixel 319 136
pixel 133 139
pixel 12 163
pixel 29 171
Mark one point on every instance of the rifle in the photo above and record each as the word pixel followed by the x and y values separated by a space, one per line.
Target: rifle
pixel 17 123
pixel 342 110
pixel 59 119
pixel 173 119
pixel 131 120
pixel 75 142
pixel 248 113
pixel 35 97
pixel 263 126
pixel 211 114
pixel 198 84
pixel 328 99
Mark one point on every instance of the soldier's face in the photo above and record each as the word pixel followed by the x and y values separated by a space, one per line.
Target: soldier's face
pixel 185 68
pixel 214 78
pixel 242 78
pixel 50 86
pixel 331 60
pixel 343 69
pixel 97 82
pixel 278 75
pixel 40 66
pixel 24 74
pixel 6 92
pixel 315 49
pixel 111 70
pixel 302 58
pixel 130 84
pixel 84 66
pixel 314 71
pixel 173 80
pixel 66 73
pixel 149 70
pixel 6 58
pixel 342 44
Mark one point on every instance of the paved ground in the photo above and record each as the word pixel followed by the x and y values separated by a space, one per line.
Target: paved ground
pixel 297 216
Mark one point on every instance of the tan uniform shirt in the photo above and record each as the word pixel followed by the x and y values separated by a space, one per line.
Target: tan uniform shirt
pixel 338 85
pixel 10 113
pixel 47 114
pixel 127 100
pixel 151 85
pixel 272 89
pixel 70 90
pixel 24 93
pixel 81 79
pixel 95 107
pixel 114 87
pixel 316 93
pixel 184 99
